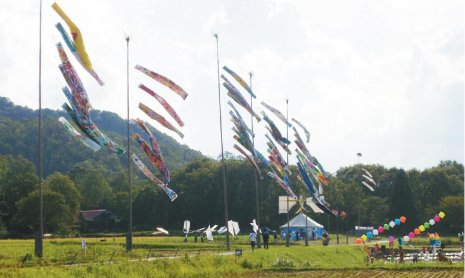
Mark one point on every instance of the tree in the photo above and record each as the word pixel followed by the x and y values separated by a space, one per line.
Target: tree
pixel 63 185
pixel 93 186
pixel 56 212
pixel 401 202
pixel 452 206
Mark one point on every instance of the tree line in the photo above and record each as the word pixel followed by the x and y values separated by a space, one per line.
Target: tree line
pixel 418 195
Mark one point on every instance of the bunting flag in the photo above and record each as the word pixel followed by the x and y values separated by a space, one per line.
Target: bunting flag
pixel 277 113
pixel 163 103
pixel 234 93
pixel 159 118
pixel 250 159
pixel 77 45
pixel 76 134
pixel 307 133
pixel 140 165
pixel 240 81
pixel 163 80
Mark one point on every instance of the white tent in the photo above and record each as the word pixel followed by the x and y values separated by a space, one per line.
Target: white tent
pixel 298 224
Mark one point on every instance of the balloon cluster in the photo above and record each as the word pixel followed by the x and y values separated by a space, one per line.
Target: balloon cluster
pixel 423 227
pixel 381 229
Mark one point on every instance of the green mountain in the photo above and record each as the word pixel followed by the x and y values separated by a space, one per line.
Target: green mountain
pixel 19 136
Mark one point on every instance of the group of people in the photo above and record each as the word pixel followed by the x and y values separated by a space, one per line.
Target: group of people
pixel 265 235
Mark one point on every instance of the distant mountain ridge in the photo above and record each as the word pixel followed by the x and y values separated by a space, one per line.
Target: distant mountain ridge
pixel 19 136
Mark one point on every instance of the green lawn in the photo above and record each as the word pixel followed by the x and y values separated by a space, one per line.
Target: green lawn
pixel 65 258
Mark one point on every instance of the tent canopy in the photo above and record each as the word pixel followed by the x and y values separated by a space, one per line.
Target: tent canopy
pixel 299 222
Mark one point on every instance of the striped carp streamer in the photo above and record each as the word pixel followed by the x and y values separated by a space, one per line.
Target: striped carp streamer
pixel 163 80
pixel 159 118
pixel 149 175
pixel 163 103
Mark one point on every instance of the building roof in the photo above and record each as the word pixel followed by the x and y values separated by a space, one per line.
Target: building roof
pixel 91 215
pixel 299 222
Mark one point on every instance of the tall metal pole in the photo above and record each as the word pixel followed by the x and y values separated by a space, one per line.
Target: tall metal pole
pixel 259 245
pixel 306 230
pixel 225 186
pixel 288 237
pixel 129 234
pixel 38 244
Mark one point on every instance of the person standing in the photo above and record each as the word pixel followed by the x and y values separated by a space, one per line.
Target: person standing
pixel 253 239
pixel 266 237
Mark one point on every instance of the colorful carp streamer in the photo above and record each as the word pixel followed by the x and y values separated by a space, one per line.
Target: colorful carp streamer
pixel 310 160
pixel 276 134
pixel 277 113
pixel 80 105
pixel 381 229
pixel 368 180
pixel 77 45
pixel 307 133
pixel 153 152
pixel 239 80
pixel 236 95
pixel 284 183
pixel 140 165
pixel 159 118
pixel 163 103
pixel 76 134
pixel 242 132
pixel 250 159
pixel 424 226
pixel 163 80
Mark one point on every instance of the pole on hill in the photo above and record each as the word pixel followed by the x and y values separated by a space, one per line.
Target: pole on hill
pixel 38 242
pixel 254 171
pixel 129 233
pixel 223 168
pixel 288 235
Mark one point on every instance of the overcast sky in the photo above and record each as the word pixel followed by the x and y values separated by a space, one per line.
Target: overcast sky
pixel 383 78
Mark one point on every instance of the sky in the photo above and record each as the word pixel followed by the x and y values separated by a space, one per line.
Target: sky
pixel 381 78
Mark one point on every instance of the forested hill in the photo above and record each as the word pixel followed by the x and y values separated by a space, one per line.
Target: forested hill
pixel 19 136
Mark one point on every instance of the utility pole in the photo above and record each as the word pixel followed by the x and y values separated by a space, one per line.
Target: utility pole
pixel 129 234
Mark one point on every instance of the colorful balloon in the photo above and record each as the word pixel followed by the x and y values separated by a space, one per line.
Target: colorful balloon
pixel 358 241
pixel 403 219
pixel 397 221
pixel 370 235
pixel 431 222
pixel 442 214
pixel 426 225
pixel 392 224
pixel 437 219
pixel 417 231
pixel 406 238
pixel 380 229
pixel 411 235
pixel 375 232
pixel 386 227
pixel 421 228
pixel 364 238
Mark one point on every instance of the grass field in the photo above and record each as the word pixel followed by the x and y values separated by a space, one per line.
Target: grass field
pixel 171 257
